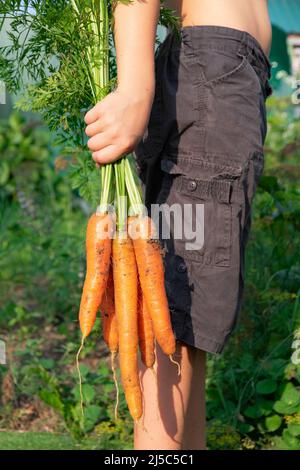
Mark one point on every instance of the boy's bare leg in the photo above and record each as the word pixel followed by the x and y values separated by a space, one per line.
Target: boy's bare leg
pixel 174 406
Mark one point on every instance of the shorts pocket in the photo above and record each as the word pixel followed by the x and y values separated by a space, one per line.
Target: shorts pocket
pixel 199 214
pixel 214 197
pixel 237 66
pixel 214 64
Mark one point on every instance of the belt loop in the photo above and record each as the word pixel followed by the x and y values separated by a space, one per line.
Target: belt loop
pixel 249 45
pixel 244 49
pixel 187 41
pixel 193 39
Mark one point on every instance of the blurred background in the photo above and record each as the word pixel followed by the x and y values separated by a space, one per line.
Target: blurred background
pixel 253 389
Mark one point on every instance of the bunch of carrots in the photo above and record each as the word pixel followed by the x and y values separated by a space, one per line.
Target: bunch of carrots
pixel 125 282
pixel 124 277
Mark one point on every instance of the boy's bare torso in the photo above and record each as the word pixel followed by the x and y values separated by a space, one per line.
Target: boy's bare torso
pixel 247 15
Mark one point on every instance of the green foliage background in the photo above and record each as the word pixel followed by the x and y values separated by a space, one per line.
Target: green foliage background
pixel 253 389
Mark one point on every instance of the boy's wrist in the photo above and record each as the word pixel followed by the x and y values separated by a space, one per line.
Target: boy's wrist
pixel 141 90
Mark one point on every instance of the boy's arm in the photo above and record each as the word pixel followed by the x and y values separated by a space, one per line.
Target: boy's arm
pixel 135 31
pixel 117 123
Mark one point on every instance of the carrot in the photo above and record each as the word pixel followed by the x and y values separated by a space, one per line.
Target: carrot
pixel 151 275
pixel 109 319
pixel 125 284
pixel 110 329
pixel 98 250
pixel 146 335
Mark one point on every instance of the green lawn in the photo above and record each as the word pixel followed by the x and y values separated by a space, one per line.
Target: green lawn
pixel 14 440
pixel 36 441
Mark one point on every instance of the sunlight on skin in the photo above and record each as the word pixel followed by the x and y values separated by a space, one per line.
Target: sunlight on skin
pixel 251 16
pixel 174 407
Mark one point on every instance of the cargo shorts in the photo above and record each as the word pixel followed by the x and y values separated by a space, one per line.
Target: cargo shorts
pixel 203 147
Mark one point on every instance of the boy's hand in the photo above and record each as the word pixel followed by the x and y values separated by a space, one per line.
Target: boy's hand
pixel 117 123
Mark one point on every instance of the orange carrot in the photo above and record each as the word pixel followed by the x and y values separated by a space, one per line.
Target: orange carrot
pixel 151 275
pixel 125 284
pixel 110 329
pixel 109 319
pixel 146 335
pixel 98 250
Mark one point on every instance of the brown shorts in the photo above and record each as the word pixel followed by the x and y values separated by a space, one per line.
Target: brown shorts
pixel 204 146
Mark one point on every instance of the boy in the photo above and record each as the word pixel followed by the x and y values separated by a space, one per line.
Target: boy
pixel 196 119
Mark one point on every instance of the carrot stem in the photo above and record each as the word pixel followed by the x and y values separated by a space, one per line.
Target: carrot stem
pixel 121 197
pixel 133 189
pixel 106 188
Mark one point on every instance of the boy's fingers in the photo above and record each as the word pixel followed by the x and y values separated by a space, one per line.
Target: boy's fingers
pixel 93 114
pixel 98 142
pixel 109 154
pixel 94 128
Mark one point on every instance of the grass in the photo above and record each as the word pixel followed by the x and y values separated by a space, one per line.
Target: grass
pixel 36 441
pixel 19 440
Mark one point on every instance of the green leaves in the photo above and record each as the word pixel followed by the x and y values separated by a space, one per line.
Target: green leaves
pixel 52 399
pixel 289 442
pixel 86 178
pixel 289 402
pixel 58 54
pixel 282 408
pixel 92 413
pixel 273 422
pixel 266 386
pixel 4 173
pixel 52 52
pixel 88 393
pixel 294 429
pixel 61 49
pixel 291 395
pixel 168 18
pixel 253 412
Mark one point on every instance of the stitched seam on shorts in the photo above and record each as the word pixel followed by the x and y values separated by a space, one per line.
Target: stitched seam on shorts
pixel 195 151
pixel 215 47
pixel 203 107
pixel 206 189
pixel 191 157
pixel 206 164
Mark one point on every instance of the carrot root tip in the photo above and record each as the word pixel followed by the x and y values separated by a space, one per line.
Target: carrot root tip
pixel 177 364
pixel 113 368
pixel 79 375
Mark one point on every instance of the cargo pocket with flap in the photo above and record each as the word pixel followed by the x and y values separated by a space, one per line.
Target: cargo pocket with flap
pixel 199 213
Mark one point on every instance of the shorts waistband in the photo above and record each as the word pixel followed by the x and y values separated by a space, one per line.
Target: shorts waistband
pixel 196 37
